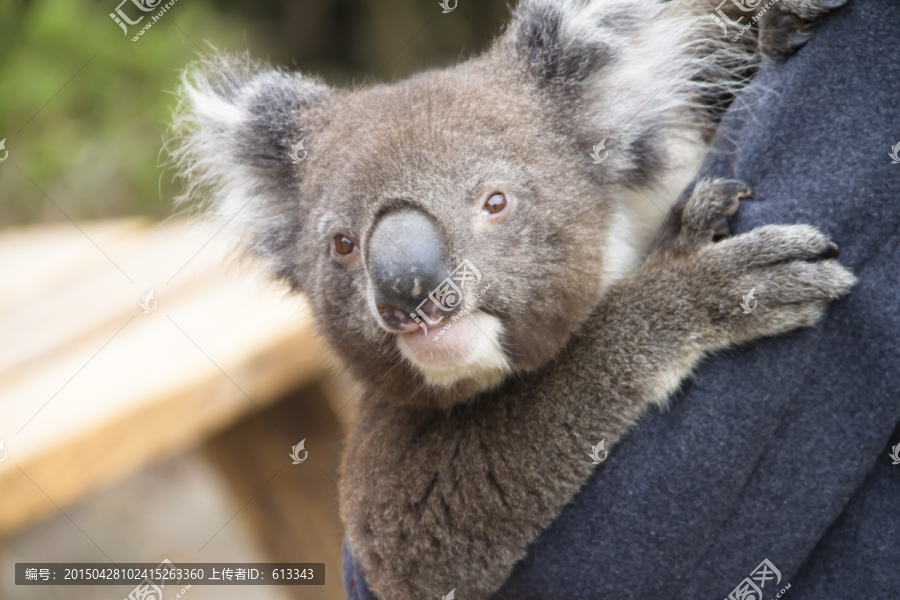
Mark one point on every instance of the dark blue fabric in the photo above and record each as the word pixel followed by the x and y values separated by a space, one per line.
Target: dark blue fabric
pixel 779 450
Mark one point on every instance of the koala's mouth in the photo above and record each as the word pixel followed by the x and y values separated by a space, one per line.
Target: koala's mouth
pixel 466 349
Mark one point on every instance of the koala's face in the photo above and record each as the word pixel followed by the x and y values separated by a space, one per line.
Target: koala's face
pixel 453 237
pixel 449 230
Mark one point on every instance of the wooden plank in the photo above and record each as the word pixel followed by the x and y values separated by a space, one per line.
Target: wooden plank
pixel 291 509
pixel 98 389
pixel 39 260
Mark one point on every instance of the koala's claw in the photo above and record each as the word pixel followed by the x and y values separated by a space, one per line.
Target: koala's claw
pixel 800 38
pixel 810 9
pixel 832 251
pixel 786 27
pixel 734 189
pixel 782 33
pixel 722 231
pixel 710 203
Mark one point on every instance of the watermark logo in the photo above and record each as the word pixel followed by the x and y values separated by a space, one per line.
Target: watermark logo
pixel 6 152
pixel 595 153
pixel 895 453
pixel 723 21
pixel 751 587
pixel 295 452
pixel 749 302
pixel 445 4
pixel 147 589
pixel 450 596
pixel 149 302
pixel 596 450
pixel 4 454
pixel 448 294
pixel 895 151
pixel 123 21
pixel 295 153
pixel 121 18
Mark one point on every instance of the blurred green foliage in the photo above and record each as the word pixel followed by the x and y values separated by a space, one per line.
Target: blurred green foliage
pixel 82 110
pixel 85 110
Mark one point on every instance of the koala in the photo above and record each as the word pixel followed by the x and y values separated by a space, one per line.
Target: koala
pixel 498 253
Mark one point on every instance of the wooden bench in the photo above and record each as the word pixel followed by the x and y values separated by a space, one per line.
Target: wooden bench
pixel 93 388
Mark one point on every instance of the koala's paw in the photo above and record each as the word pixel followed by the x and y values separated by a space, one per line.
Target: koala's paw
pixel 770 280
pixel 710 203
pixel 697 221
pixel 809 9
pixel 789 24
pixel 775 278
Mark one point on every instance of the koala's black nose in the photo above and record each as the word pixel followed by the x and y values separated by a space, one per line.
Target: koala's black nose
pixel 407 260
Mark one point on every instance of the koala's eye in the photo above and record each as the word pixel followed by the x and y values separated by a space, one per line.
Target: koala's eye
pixel 495 204
pixel 343 245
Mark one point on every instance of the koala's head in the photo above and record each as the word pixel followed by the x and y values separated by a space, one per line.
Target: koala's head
pixel 466 196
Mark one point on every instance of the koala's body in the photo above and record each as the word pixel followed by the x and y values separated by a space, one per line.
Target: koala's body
pixel 549 165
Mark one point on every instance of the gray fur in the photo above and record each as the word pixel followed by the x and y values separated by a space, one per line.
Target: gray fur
pixel 445 484
pixel 437 500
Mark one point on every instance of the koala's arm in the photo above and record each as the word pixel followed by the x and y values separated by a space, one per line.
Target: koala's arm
pixel 440 500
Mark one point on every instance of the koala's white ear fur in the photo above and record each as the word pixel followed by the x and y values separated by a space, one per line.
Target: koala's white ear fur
pixel 633 47
pixel 234 131
pixel 624 71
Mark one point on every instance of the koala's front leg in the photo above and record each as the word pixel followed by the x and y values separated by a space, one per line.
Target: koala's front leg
pixel 711 295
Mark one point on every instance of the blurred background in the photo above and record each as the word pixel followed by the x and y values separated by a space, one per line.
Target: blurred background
pixel 151 387
pixel 96 143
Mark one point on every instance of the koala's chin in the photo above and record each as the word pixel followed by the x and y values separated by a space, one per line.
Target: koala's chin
pixel 467 354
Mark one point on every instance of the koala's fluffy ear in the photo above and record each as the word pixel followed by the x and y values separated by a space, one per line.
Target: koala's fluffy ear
pixel 559 48
pixel 235 127
pixel 624 70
